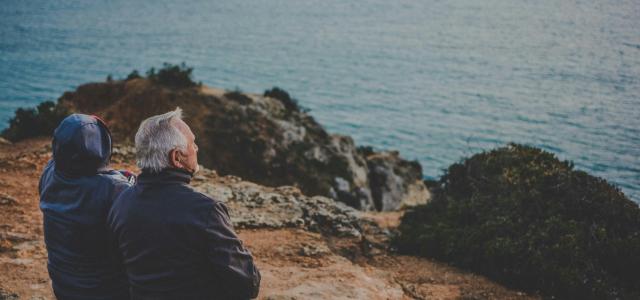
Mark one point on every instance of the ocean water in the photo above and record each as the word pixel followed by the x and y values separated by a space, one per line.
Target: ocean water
pixel 437 80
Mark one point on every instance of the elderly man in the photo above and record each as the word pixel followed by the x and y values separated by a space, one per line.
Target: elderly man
pixel 177 243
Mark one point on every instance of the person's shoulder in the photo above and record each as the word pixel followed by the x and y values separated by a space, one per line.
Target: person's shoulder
pixel 47 172
pixel 202 198
pixel 114 181
pixel 115 177
pixel 208 203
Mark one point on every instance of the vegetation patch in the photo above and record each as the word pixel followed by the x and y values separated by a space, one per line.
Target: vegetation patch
pixel 521 216
pixel 173 76
pixel 133 75
pixel 238 96
pixel 31 122
pixel 289 103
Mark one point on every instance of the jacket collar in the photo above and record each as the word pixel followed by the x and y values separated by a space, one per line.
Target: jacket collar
pixel 170 175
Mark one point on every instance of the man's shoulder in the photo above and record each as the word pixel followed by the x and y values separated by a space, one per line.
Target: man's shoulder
pixel 203 209
pixel 202 198
pixel 208 204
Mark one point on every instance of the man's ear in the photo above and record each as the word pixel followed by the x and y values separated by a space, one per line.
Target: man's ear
pixel 174 158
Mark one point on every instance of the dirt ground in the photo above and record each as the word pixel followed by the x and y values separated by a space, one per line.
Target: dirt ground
pixel 295 264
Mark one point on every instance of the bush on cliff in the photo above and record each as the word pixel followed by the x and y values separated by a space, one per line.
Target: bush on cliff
pixel 519 215
pixel 289 103
pixel 133 75
pixel 30 122
pixel 173 76
pixel 238 96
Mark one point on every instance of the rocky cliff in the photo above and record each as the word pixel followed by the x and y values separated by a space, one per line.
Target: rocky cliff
pixel 264 139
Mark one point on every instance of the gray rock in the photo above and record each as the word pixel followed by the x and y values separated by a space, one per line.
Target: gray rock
pixel 6 295
pixel 395 182
pixel 255 206
pixel 7 200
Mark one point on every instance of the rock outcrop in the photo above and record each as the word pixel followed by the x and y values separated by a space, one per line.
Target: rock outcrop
pixel 256 206
pixel 394 181
pixel 262 139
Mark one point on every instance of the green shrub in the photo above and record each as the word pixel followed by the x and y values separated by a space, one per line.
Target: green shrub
pixel 289 103
pixel 173 76
pixel 134 75
pixel 30 122
pixel 238 96
pixel 519 215
pixel 365 150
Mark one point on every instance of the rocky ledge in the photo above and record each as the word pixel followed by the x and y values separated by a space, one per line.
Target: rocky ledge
pixel 265 139
pixel 256 206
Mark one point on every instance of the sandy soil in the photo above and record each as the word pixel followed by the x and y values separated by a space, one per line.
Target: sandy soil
pixel 295 264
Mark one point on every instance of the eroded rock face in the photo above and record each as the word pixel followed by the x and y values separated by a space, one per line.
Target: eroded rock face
pixel 259 139
pixel 395 182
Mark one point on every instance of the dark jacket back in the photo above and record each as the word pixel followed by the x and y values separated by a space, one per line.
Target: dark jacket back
pixel 179 244
pixel 76 192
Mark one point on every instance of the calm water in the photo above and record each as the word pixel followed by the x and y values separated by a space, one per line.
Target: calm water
pixel 437 80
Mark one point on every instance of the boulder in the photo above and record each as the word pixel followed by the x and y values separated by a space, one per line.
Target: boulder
pixel 395 182
pixel 255 206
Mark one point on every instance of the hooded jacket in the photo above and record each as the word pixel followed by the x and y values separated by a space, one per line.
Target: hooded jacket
pixel 177 243
pixel 76 192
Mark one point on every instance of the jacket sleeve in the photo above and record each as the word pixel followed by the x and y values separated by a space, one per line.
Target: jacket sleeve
pixel 44 178
pixel 231 261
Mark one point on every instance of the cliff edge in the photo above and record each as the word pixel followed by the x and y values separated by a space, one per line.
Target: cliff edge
pixel 306 247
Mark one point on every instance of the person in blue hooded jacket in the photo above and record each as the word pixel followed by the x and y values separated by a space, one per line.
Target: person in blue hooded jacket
pixel 76 192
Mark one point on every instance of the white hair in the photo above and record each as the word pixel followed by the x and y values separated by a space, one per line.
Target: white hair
pixel 155 139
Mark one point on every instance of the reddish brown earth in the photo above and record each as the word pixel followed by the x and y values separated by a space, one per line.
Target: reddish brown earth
pixel 295 264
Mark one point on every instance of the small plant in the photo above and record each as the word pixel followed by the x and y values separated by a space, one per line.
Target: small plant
pixel 289 103
pixel 173 76
pixel 30 122
pixel 133 75
pixel 521 216
pixel 151 73
pixel 366 150
pixel 238 96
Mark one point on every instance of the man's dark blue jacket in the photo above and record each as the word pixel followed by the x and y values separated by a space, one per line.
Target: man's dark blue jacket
pixel 76 192
pixel 177 243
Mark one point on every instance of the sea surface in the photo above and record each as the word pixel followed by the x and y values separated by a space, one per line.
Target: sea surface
pixel 437 80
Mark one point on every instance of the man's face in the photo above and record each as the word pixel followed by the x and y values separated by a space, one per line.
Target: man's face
pixel 188 159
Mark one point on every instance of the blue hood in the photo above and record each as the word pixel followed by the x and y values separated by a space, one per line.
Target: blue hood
pixel 81 145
